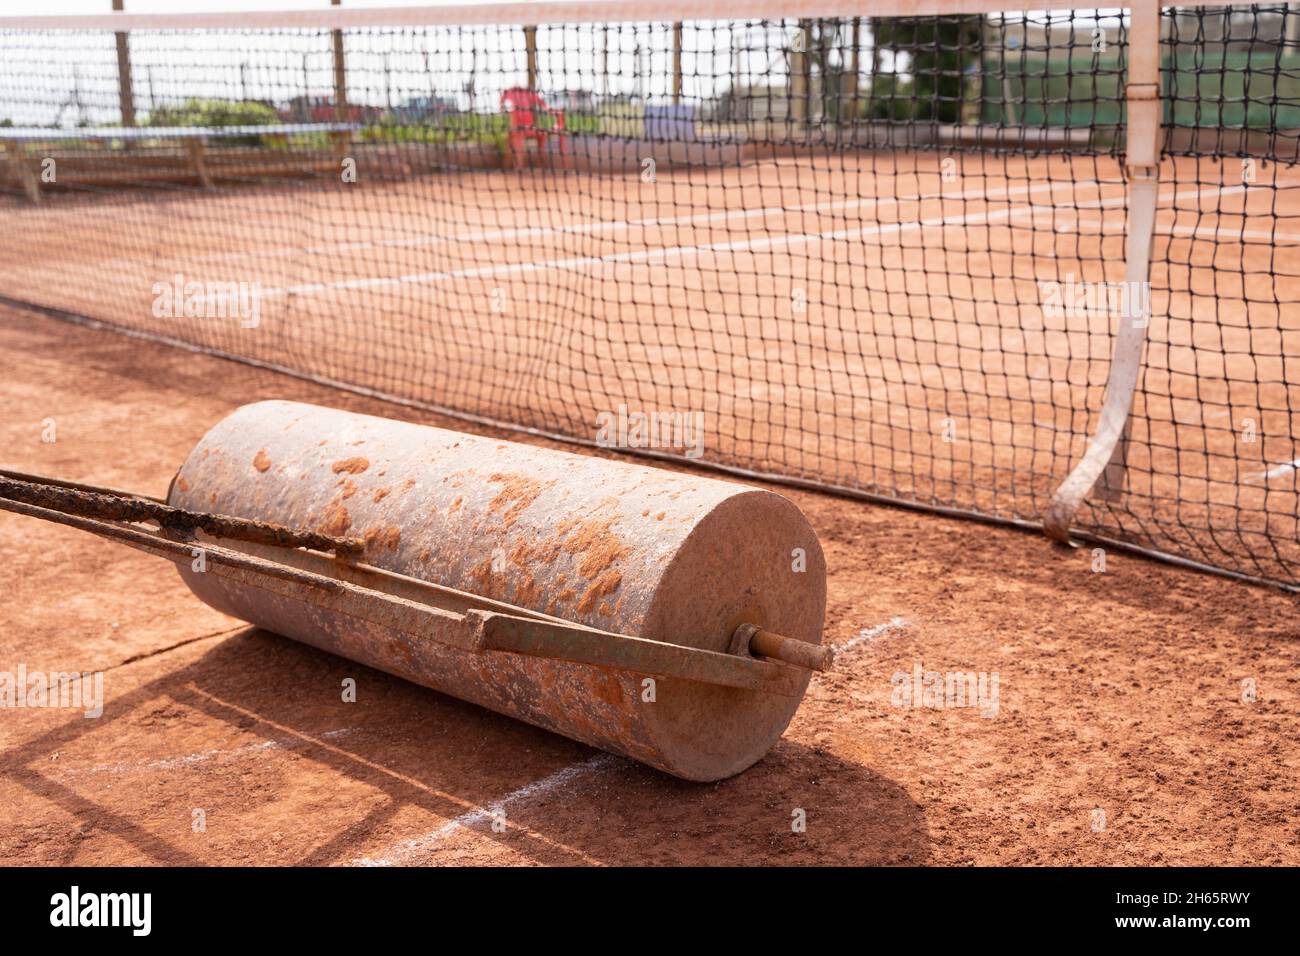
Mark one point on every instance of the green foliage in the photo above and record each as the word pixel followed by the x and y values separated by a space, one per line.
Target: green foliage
pixel 891 99
pixel 212 113
pixel 1207 89
pixel 941 49
pixel 443 130
pixel 1074 90
pixel 1233 90
pixel 466 128
pixel 826 39
pixel 582 122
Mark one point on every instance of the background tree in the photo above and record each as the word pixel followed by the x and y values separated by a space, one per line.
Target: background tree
pixel 939 50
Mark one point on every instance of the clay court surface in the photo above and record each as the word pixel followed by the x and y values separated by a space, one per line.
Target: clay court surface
pixel 1120 691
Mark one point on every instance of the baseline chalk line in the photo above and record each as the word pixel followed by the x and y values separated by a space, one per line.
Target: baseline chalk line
pixel 202 756
pixel 871 633
pixel 408 850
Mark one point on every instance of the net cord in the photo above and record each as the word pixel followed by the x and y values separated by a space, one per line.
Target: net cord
pixel 542 13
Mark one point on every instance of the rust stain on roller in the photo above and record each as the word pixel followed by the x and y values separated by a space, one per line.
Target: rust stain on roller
pixel 527 591
pixel 555 605
pixel 486 581
pixel 607 583
pixel 547 552
pixel 519 492
pixel 353 466
pixel 609 689
pixel 336 522
pixel 260 461
pixel 599 546
pixel 388 537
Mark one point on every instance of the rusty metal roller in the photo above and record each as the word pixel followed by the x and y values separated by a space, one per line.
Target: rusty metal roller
pixel 611 547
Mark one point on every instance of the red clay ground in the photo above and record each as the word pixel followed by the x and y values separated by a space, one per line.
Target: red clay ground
pixel 1120 691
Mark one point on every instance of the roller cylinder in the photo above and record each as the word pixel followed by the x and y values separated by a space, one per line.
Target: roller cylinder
pixel 620 547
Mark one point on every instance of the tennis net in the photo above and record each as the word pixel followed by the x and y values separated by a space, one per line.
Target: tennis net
pixel 886 256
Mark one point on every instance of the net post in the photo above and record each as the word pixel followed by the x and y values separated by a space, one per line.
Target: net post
pixel 22 171
pixel 677 63
pixel 800 76
pixel 851 85
pixel 1105 458
pixel 196 149
pixel 530 49
pixel 340 74
pixel 125 95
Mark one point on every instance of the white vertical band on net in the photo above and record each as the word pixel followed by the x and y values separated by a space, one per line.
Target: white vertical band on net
pixel 1106 452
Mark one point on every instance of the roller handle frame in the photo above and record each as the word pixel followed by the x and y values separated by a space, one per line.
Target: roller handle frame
pixel 292 564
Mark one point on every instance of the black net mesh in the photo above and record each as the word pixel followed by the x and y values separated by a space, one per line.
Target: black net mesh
pixel 878 255
pixel 1211 459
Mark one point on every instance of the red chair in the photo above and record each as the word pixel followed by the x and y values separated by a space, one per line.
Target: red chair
pixel 524 107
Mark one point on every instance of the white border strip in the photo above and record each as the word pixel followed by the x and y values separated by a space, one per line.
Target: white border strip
pixel 895 623
pixel 546 12
pixel 162 764
pixel 1103 461
pixel 1264 477
pixel 414 849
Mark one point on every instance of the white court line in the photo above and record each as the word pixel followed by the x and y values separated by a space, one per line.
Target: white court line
pixel 871 633
pixel 780 243
pixel 599 227
pixel 1220 234
pixel 591 228
pixel 603 226
pixel 189 760
pixel 408 850
pixel 1217 233
pixel 1274 472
